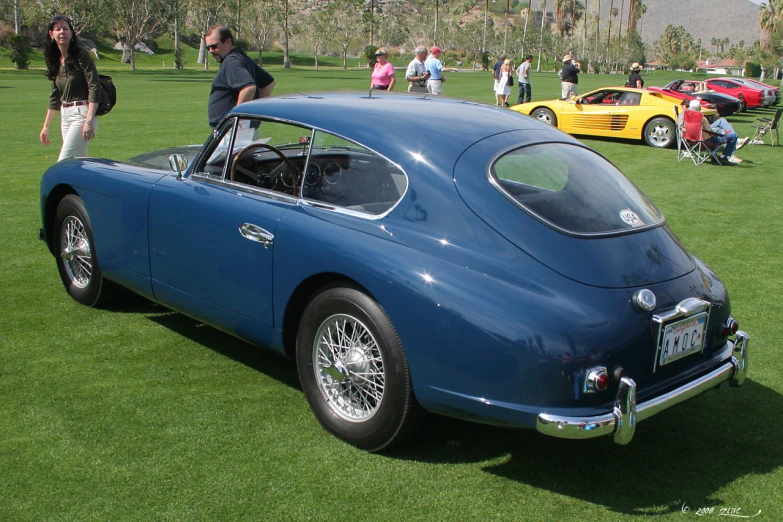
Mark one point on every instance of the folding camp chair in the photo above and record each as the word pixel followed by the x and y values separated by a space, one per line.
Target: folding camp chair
pixel 691 141
pixel 766 125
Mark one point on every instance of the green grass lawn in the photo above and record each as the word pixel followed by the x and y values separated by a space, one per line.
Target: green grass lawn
pixel 139 413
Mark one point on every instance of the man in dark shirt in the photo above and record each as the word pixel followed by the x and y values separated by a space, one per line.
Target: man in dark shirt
pixel 569 76
pixel 239 78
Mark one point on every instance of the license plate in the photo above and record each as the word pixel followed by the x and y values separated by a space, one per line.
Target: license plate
pixel 682 338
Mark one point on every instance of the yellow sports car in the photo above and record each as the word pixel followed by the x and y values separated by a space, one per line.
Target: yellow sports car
pixel 616 112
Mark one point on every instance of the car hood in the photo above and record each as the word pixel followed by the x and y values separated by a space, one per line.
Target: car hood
pixel 638 258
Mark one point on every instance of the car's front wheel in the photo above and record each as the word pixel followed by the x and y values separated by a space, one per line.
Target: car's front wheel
pixel 545 115
pixel 75 253
pixel 354 371
pixel 659 133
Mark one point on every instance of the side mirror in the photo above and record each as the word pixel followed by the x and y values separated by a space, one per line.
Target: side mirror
pixel 178 164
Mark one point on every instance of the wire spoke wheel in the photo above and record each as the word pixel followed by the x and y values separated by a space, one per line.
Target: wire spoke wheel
pixel 353 369
pixel 349 367
pixel 75 251
pixel 73 245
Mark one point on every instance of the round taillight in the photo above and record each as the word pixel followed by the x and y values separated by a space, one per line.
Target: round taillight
pixel 596 379
pixel 730 327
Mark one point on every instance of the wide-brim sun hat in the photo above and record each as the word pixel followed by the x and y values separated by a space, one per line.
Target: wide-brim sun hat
pixel 381 52
pixel 567 58
pixel 635 66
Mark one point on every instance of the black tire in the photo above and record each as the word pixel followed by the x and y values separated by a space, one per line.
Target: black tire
pixel 544 115
pixel 659 133
pixel 742 106
pixel 360 391
pixel 74 248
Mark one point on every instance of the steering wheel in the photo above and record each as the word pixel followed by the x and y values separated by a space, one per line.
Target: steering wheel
pixel 254 147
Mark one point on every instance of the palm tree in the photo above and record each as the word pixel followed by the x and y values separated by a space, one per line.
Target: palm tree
pixel 642 11
pixel 598 24
pixel 584 30
pixel 769 16
pixel 620 25
pixel 609 35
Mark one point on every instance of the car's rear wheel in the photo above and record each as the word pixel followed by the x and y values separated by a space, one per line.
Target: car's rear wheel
pixel 75 253
pixel 659 133
pixel 742 105
pixel 354 371
pixel 545 115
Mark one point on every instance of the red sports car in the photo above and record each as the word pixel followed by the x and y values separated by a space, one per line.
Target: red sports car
pixel 687 90
pixel 754 97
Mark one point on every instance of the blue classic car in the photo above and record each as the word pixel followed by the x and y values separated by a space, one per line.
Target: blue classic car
pixel 410 254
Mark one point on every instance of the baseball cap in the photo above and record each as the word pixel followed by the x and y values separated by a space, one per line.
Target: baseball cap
pixel 435 49
pixel 694 105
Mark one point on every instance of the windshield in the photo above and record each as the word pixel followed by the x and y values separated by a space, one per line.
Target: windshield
pixel 573 189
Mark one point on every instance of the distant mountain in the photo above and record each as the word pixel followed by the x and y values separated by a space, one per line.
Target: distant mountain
pixel 705 19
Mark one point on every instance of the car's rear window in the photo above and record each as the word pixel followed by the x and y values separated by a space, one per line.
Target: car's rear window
pixel 573 189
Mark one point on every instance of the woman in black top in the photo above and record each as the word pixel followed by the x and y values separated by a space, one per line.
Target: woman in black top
pixel 635 79
pixel 76 89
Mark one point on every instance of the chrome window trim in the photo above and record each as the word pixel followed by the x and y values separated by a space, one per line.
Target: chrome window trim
pixel 493 179
pixel 214 138
pixel 236 116
pixel 684 309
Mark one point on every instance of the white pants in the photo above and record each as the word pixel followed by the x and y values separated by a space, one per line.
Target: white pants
pixel 435 87
pixel 72 123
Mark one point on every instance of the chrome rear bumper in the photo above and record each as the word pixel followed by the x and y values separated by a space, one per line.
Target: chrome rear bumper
pixel 621 422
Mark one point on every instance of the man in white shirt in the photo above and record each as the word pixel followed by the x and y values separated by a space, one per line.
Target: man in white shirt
pixel 417 73
pixel 523 75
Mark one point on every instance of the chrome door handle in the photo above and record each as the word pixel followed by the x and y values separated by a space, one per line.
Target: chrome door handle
pixel 257 234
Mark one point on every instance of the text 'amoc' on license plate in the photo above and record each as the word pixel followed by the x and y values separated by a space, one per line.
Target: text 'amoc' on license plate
pixel 682 338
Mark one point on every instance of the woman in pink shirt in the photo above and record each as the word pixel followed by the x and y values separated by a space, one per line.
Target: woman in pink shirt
pixel 383 74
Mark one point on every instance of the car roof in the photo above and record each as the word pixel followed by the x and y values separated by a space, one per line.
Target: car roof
pixel 393 122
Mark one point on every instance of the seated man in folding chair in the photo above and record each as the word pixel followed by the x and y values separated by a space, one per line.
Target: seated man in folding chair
pixel 720 131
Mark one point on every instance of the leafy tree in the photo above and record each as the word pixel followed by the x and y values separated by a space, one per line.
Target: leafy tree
pixel 84 14
pixel 19 45
pixel 673 42
pixel 347 23
pixel 262 22
pixel 135 20
pixel 315 27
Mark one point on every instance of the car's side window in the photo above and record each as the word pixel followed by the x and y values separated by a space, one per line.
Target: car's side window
pixel 270 155
pixel 631 98
pixel 215 163
pixel 344 174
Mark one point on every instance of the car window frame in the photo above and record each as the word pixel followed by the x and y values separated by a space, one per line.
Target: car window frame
pixel 344 210
pixel 493 179
pixel 231 124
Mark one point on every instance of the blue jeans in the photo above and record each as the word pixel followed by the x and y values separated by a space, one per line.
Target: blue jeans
pixel 525 93
pixel 728 136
